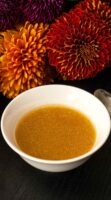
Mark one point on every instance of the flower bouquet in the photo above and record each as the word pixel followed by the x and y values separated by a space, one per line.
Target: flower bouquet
pixel 44 39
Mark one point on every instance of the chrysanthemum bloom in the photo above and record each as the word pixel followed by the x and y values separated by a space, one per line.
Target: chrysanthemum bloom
pixel 42 10
pixel 98 8
pixel 8 14
pixel 107 1
pixel 78 46
pixel 23 64
pixel 1 46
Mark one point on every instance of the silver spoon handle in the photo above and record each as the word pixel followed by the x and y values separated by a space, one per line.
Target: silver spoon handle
pixel 105 97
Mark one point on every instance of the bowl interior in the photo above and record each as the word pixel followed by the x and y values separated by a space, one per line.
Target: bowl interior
pixel 55 94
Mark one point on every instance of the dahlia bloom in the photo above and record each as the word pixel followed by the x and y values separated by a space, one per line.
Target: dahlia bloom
pixel 24 64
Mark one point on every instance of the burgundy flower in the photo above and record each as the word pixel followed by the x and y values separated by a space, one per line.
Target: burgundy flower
pixel 8 14
pixel 42 10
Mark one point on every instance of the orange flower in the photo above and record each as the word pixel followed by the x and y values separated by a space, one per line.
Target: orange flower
pixel 23 64
pixel 1 46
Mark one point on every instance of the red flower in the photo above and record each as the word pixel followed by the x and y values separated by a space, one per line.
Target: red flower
pixel 79 46
pixel 107 1
pixel 98 8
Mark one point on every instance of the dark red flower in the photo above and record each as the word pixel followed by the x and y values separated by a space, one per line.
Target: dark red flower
pixel 78 46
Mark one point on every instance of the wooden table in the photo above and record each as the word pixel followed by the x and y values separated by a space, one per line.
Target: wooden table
pixel 91 181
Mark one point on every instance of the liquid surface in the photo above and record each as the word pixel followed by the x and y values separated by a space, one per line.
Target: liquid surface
pixel 55 133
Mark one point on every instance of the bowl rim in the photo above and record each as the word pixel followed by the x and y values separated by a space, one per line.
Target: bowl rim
pixel 53 162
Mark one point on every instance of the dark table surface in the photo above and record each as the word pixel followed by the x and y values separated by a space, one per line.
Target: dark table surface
pixel 91 181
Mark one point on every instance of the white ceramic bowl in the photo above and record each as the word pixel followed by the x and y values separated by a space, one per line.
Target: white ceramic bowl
pixel 55 94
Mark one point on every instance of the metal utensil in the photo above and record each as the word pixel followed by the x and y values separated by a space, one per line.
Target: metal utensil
pixel 105 97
